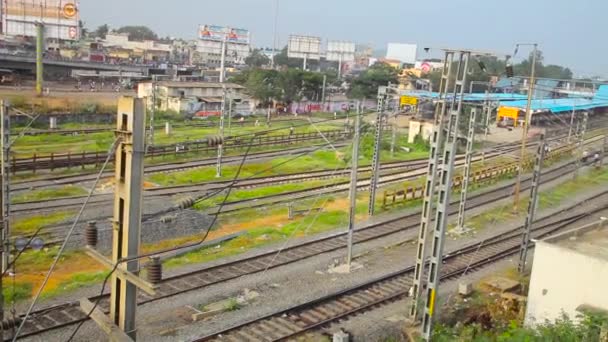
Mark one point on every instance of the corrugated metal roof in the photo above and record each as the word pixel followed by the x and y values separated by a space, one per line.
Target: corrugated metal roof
pixel 544 88
pixel 557 105
pixel 473 97
pixel 601 94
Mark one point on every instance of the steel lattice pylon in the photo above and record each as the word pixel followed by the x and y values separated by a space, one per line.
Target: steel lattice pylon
pixel 523 251
pixel 443 197
pixel 429 188
pixel 581 130
pixel 373 183
pixel 467 169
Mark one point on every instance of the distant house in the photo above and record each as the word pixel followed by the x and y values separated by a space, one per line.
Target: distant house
pixel 198 98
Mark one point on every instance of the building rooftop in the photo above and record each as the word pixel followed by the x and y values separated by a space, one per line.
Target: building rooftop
pixel 591 240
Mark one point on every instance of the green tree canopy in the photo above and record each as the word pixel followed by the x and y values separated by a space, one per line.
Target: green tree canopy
pixel 101 31
pixel 366 85
pixel 496 67
pixel 138 32
pixel 257 59
pixel 286 85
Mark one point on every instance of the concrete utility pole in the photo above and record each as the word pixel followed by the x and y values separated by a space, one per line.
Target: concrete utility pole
pixel 524 135
pixel 128 180
pixel 603 151
pixel 429 186
pixel 152 112
pixel 231 100
pixel 373 182
pixel 127 210
pixel 39 58
pixel 393 139
pixel 4 201
pixel 571 124
pixel 223 60
pixel 523 251
pixel 353 186
pixel 487 110
pixel 5 131
pixel 443 197
pixel 581 143
pixel 467 169
pixel 220 146
pixel 323 92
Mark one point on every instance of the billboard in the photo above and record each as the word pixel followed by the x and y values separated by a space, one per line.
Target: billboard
pixel 218 33
pixel 340 51
pixel 59 17
pixel 405 53
pixel 304 47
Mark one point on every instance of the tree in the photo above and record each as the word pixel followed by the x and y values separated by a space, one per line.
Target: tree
pixel 138 32
pixel 287 85
pixel 281 59
pixel 366 85
pixel 101 31
pixel 261 84
pixel 257 59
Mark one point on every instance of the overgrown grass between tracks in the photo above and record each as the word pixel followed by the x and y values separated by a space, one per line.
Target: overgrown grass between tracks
pixel 547 199
pixel 48 193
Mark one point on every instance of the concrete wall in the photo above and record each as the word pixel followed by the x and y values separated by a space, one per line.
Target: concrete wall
pixel 419 128
pixel 562 280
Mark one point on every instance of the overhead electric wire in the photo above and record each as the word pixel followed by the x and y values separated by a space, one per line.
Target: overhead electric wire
pixel 140 257
pixel 65 241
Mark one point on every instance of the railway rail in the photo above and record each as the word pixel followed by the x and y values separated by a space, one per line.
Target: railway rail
pixel 96 158
pixel 163 168
pixel 69 313
pixel 319 313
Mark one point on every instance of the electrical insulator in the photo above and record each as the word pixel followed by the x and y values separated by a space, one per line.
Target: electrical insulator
pixel 155 270
pixel 90 234
pixel 215 141
pixel 186 203
pixel 167 219
pixel 10 323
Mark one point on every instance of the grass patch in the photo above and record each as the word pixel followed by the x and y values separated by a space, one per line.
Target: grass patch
pixel 318 160
pixel 232 305
pixel 46 144
pixel 75 282
pixel 547 199
pixel 21 291
pixel 45 194
pixel 262 236
pixel 31 224
pixel 239 195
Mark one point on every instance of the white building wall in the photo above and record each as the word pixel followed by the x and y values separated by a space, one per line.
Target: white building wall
pixel 562 280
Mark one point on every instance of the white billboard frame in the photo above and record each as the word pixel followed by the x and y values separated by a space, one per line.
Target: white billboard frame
pixel 59 17
pixel 307 47
pixel 340 51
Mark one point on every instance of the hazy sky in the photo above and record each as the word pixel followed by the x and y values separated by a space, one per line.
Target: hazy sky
pixel 569 32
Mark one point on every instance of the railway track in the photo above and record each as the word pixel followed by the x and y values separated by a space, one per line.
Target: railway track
pixel 198 147
pixel 69 313
pixel 317 314
pixel 207 187
pixel 396 175
pixel 163 168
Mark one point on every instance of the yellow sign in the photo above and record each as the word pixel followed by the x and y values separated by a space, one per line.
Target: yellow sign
pixel 69 10
pixel 408 101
